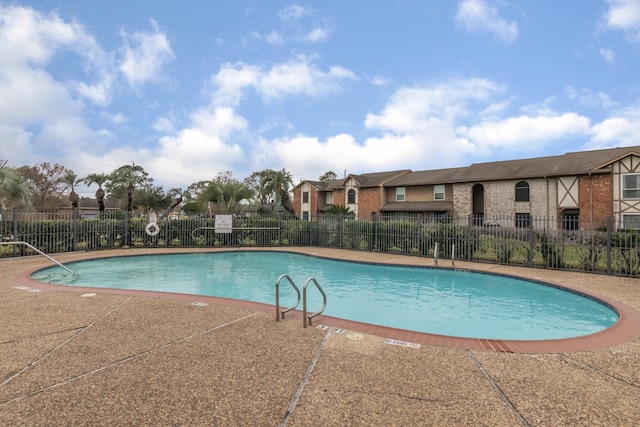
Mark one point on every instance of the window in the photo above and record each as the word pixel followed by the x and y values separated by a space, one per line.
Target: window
pixel 438 192
pixel 399 194
pixel 305 197
pixel 631 186
pixel 522 191
pixel 329 198
pixel 570 221
pixel 523 220
pixel 351 197
pixel 631 222
pixel 305 215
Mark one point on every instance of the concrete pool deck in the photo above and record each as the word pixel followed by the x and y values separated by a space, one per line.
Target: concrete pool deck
pixel 140 358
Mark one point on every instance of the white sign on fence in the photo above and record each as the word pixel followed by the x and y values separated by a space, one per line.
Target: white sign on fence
pixel 224 223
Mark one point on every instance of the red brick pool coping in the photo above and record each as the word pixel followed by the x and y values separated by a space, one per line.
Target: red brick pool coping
pixel 626 329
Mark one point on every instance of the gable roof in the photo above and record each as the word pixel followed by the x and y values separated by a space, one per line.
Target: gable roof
pixel 376 179
pixel 438 176
pixel 574 163
pixel 329 185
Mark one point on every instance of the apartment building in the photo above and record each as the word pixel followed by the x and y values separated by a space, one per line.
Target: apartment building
pixel 577 190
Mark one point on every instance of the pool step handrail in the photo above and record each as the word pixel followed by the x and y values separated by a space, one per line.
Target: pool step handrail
pixel 309 319
pixel 280 314
pixel 38 251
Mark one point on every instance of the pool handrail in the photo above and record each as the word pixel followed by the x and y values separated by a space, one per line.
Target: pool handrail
pixel 280 314
pixel 308 319
pixel 17 242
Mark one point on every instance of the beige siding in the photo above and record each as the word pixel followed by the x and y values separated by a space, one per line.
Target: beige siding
pixel 568 196
pixel 422 193
pixel 350 185
pixel 622 206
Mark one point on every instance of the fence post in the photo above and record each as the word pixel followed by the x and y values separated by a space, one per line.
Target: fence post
pixel 609 231
pixel 469 225
pixel 375 233
pixel 126 229
pixel 419 231
pixel 532 247
pixel 15 230
pixel 74 228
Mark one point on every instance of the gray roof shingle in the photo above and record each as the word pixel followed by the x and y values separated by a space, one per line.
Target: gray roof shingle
pixel 575 163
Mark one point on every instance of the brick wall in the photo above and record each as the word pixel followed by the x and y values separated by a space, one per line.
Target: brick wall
pixel 462 199
pixel 369 201
pixel 596 198
pixel 499 199
pixel 297 200
pixel 311 206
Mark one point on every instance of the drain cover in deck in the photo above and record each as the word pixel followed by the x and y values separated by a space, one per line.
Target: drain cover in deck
pixel 354 336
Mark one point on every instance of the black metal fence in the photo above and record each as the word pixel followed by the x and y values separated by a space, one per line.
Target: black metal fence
pixel 536 242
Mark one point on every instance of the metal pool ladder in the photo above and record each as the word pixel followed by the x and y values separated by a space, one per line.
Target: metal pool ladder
pixel 306 319
pixel 36 250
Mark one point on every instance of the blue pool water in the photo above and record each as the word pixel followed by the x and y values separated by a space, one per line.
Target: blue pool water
pixel 439 301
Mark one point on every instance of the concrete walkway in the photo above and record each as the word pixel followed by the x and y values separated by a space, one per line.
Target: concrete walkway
pixel 142 359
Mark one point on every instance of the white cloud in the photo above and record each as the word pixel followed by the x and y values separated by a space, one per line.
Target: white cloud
pixel 39 111
pixel 200 150
pixel 309 157
pixel 608 55
pixel 622 129
pixel 274 38
pixel 29 40
pixel 20 146
pixel 524 130
pixel 410 107
pixel 379 81
pixel 317 35
pixel 145 54
pixel 293 12
pixel 415 130
pixel 116 119
pixel 164 125
pixel 588 98
pixel 29 37
pixel 231 79
pixel 624 15
pixel 301 77
pixel 478 16
pixel 431 126
pixel 99 93
pixel 296 77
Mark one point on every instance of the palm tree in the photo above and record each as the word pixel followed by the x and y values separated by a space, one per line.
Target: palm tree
pixel 277 183
pixel 71 179
pixel 100 179
pixel 125 180
pixel 13 188
pixel 173 193
pixel 226 195
pixel 339 210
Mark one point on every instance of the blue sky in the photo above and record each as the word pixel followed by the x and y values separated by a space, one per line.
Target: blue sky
pixel 190 89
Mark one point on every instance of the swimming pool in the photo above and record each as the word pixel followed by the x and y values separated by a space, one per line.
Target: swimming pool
pixel 432 300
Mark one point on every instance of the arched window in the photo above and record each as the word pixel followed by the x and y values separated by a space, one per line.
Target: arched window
pixel 351 197
pixel 522 191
